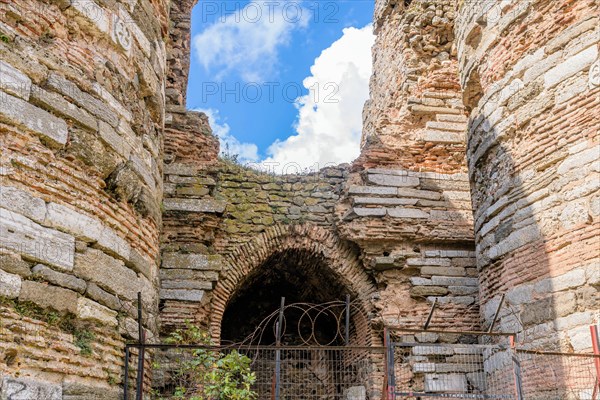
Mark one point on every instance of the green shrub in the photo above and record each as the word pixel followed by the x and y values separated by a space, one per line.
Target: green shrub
pixel 209 374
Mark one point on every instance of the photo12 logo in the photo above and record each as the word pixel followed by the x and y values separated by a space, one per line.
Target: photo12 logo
pixel 253 92
pixel 289 11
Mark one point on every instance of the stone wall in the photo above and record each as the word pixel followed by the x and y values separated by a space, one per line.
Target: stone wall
pixel 529 70
pixel 438 207
pixel 81 118
pixel 402 209
pixel 408 202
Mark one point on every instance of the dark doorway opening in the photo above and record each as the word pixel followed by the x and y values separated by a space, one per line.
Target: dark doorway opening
pixel 300 277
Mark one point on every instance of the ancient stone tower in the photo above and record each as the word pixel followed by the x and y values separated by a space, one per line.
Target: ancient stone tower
pixel 479 177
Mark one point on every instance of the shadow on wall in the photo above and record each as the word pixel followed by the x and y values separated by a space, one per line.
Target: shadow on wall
pixel 532 152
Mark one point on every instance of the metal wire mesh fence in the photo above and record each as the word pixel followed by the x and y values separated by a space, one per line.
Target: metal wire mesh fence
pixel 421 370
pixel 414 371
pixel 307 372
pixel 558 376
pixel 467 371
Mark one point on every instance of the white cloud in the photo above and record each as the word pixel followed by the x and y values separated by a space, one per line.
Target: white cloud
pixel 246 152
pixel 329 124
pixel 247 41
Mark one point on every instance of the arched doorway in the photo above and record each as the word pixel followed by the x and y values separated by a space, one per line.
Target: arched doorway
pixel 315 312
pixel 304 263
pixel 314 270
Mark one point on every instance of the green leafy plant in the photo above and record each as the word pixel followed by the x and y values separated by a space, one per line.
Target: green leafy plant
pixel 209 374
pixel 83 340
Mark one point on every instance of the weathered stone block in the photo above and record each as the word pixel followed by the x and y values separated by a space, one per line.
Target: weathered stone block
pixel 570 66
pixel 421 291
pixel 400 212
pixel 107 272
pixel 207 205
pixel 36 242
pixel 10 285
pixel 376 190
pixel 466 300
pixel 427 337
pixel 442 137
pixel 369 212
pixel 453 281
pixel 56 103
pixel 110 136
pixel 444 368
pixel 59 278
pixel 185 284
pixel 355 393
pixel 463 290
pixel 181 169
pixel 445 383
pixel 384 201
pixel 35 119
pixel 446 271
pixel 14 81
pixel 84 100
pixel 75 390
pixel 191 261
pixel 13 264
pixel 100 295
pixel 446 126
pixel 22 202
pixel 419 194
pixel 419 368
pixel 48 296
pixel 393 180
pixel 29 389
pixel 477 380
pixel 90 310
pixel 432 351
pixel 182 295
pixel 515 240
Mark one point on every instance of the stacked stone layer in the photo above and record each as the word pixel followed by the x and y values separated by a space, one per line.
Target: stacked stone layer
pixel 534 162
pixel 81 118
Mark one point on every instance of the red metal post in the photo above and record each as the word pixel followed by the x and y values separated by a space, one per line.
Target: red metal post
pixel 596 348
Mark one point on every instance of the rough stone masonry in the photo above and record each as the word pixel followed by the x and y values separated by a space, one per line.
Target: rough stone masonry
pixel 479 176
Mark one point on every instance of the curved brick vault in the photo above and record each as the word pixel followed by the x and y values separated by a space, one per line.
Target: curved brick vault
pixel 321 243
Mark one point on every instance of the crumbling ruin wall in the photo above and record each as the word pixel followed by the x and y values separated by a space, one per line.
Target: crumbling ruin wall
pixel 530 73
pixel 87 86
pixel 81 118
pixel 408 194
pixel 401 211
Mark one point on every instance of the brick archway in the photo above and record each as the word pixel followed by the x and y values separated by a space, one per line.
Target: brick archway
pixel 339 256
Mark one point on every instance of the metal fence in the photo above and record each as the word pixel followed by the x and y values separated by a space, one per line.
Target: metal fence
pixel 554 376
pixel 498 370
pixel 285 373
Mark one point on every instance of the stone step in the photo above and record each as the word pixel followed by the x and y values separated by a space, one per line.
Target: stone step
pixel 384 201
pixel 447 126
pixel 442 94
pixel 443 137
pixel 393 180
pixel 369 212
pixel 419 109
pixel 401 212
pixel 451 118
pixel 374 190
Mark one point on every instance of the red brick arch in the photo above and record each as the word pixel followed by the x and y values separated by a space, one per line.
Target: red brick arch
pixel 338 255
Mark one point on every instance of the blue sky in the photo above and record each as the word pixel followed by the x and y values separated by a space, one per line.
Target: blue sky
pixel 249 68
